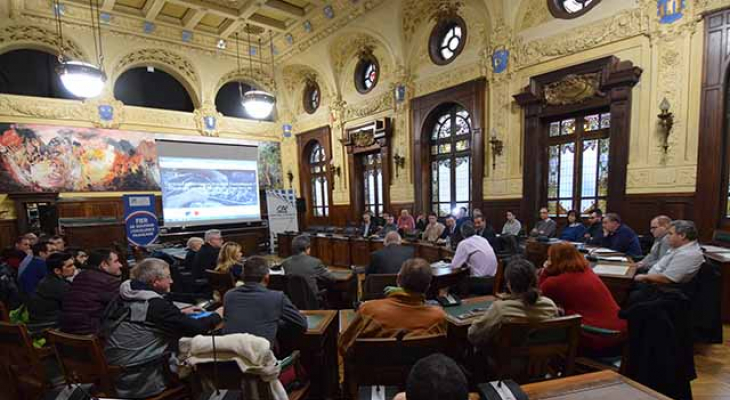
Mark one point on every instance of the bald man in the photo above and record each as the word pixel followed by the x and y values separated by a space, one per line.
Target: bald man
pixel 389 259
pixel 659 227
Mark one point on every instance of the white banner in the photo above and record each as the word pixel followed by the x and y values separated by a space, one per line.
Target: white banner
pixel 282 209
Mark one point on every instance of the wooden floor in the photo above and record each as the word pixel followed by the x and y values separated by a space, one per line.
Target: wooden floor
pixel 713 370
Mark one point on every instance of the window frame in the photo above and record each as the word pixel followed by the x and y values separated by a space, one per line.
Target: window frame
pixel 442 27
pixel 309 88
pixel 557 9
pixel 378 207
pixel 318 178
pixel 360 70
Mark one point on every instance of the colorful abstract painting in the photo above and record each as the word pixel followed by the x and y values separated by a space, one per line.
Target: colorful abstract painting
pixel 44 158
pixel 270 176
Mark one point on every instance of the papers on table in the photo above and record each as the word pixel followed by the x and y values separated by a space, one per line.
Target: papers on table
pixel 603 250
pixel 440 264
pixel 613 258
pixel 715 249
pixel 607 269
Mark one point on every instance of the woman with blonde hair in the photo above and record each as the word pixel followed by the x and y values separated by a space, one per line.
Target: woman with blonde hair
pixel 569 280
pixel 230 259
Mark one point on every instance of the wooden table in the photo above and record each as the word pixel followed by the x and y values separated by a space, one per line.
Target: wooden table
pixel 724 261
pixel 319 352
pixel 604 385
pixel 457 329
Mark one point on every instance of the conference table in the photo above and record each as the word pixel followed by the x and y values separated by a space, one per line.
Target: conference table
pixel 603 385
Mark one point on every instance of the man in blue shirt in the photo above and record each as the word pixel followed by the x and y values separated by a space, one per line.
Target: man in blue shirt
pixel 36 270
pixel 619 237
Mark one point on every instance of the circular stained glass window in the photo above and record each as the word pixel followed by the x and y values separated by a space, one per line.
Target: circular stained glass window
pixel 447 40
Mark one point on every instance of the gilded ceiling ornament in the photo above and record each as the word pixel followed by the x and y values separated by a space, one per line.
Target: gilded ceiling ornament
pixel 572 89
pixel 446 9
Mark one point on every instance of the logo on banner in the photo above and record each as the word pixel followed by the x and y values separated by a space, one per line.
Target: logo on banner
pixel 140 219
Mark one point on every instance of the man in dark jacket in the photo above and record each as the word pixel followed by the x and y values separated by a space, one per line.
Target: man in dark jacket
pixel 389 259
pixel 207 256
pixel 254 309
pixel 194 244
pixel 486 230
pixel 45 305
pixel 619 237
pixel 143 326
pixel 594 234
pixel 31 274
pixel 91 292
pixel 304 265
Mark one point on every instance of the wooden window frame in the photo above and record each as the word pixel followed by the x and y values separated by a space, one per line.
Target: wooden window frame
pixel 437 34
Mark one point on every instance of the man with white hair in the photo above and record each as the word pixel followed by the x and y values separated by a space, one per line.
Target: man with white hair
pixel 207 256
pixel 389 259
pixel 193 245
pixel 143 325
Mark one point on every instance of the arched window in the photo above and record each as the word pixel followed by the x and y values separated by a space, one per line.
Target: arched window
pixel 28 72
pixel 312 97
pixel 447 40
pixel 567 9
pixel 450 145
pixel 367 73
pixel 150 87
pixel 318 179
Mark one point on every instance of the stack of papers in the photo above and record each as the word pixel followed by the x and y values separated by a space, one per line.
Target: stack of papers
pixel 612 258
pixel 605 269
pixel 603 250
pixel 715 249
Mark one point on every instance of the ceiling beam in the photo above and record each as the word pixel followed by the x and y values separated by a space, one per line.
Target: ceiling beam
pixel 209 6
pixel 280 5
pixel 152 8
pixel 267 23
pixel 229 28
pixel 249 8
pixel 192 18
pixel 108 5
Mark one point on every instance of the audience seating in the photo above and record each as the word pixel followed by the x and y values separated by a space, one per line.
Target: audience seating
pixel 704 290
pixel 220 282
pixel 22 372
pixel 387 361
pixel 531 352
pixel 82 361
pixel 301 295
pixel 226 375
pixel 375 284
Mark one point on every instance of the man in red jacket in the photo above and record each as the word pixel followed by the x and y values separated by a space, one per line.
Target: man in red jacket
pixel 90 292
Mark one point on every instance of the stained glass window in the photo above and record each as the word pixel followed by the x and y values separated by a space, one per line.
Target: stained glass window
pixel 577 170
pixel 574 6
pixel 447 39
pixel 366 74
pixel 372 170
pixel 311 97
pixel 319 183
pixel 451 161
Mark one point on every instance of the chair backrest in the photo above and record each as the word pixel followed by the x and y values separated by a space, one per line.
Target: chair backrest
pixel 82 360
pixel 20 364
pixel 220 282
pixel 375 284
pixel 388 361
pixel 4 314
pixel 499 281
pixel 300 293
pixel 535 351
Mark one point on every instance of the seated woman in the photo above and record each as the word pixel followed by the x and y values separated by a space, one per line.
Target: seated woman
pixel 230 259
pixel 568 279
pixel 575 229
pixel 524 303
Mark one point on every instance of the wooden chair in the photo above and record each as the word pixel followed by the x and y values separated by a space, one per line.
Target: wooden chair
pixel 499 281
pixel 531 352
pixel 220 282
pixel 82 361
pixel 374 286
pixel 387 361
pixel 22 373
pixel 226 375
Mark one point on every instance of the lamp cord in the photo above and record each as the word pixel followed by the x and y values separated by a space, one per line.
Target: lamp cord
pixel 238 62
pixel 250 58
pixel 271 50
pixel 59 32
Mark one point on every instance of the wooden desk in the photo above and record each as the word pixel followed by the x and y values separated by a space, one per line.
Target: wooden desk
pixel 724 263
pixel 457 329
pixel 604 385
pixel 319 352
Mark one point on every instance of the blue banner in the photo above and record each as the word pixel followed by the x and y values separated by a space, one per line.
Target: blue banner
pixel 140 219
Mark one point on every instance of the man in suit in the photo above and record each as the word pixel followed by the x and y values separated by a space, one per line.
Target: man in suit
pixel 389 226
pixel 389 259
pixel 368 227
pixel 485 230
pixel 619 237
pixel 254 309
pixel 304 265
pixel 451 232
pixel 207 256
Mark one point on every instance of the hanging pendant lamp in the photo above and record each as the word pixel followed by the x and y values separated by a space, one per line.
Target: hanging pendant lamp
pixel 259 104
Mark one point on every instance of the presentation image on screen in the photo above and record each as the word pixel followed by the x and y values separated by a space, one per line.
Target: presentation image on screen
pixel 206 184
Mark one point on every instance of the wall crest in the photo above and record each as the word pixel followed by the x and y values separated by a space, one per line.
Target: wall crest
pixel 572 89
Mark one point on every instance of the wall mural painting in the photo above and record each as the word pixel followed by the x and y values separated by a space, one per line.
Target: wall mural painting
pixel 44 158
pixel 270 176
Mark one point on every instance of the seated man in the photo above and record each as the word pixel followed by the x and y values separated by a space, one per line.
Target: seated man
pixel 659 227
pixel 475 253
pixel 144 326
pixel 682 261
pixel 22 250
pixel 90 293
pixel 486 230
pixel 435 377
pixel 368 227
pixel 30 274
pixel 304 265
pixel 194 245
pixel 389 259
pixel 207 256
pixel 58 243
pixel 389 226
pixel 432 232
pixel 450 233
pixel 619 237
pixel 594 233
pixel 254 309
pixel 545 226
pixel 45 304
pixel 403 309
pixel 512 226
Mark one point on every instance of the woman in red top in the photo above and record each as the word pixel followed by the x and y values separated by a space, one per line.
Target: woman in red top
pixel 568 280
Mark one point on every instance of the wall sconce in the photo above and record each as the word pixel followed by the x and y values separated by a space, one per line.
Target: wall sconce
pixel 400 162
pixel 290 177
pixel 497 147
pixel 666 121
pixel 337 170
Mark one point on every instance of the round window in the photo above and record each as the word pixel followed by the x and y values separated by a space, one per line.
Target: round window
pixel 367 73
pixel 312 97
pixel 447 40
pixel 567 9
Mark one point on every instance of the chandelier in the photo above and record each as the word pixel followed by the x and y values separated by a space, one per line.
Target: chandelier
pixel 82 79
pixel 259 104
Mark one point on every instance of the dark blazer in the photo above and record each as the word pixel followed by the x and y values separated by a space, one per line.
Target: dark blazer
pixel 491 236
pixel 45 304
pixel 624 240
pixel 207 258
pixel 373 228
pixel 86 300
pixel 254 309
pixel 310 268
pixel 189 259
pixel 595 233
pixel 389 259
pixel 455 236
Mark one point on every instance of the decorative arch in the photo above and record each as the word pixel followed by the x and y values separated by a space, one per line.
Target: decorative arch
pixel 344 57
pixel 15 37
pixel 254 77
pixel 171 63
pixel 295 78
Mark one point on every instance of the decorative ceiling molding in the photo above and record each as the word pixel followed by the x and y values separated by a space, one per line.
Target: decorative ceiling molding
pixel 17 36
pixel 255 77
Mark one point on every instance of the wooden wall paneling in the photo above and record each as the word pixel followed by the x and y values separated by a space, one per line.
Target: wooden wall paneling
pixel 360 251
pixel 284 244
pixel 495 211
pixel 8 233
pixel 639 210
pixel 341 251
pixel 324 251
pixel 304 142
pixel 470 95
pixel 714 147
pixel 617 79
pixel 94 236
pixel 396 208
pixel 341 216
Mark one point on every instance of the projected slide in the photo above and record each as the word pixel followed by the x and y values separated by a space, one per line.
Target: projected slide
pixel 202 190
